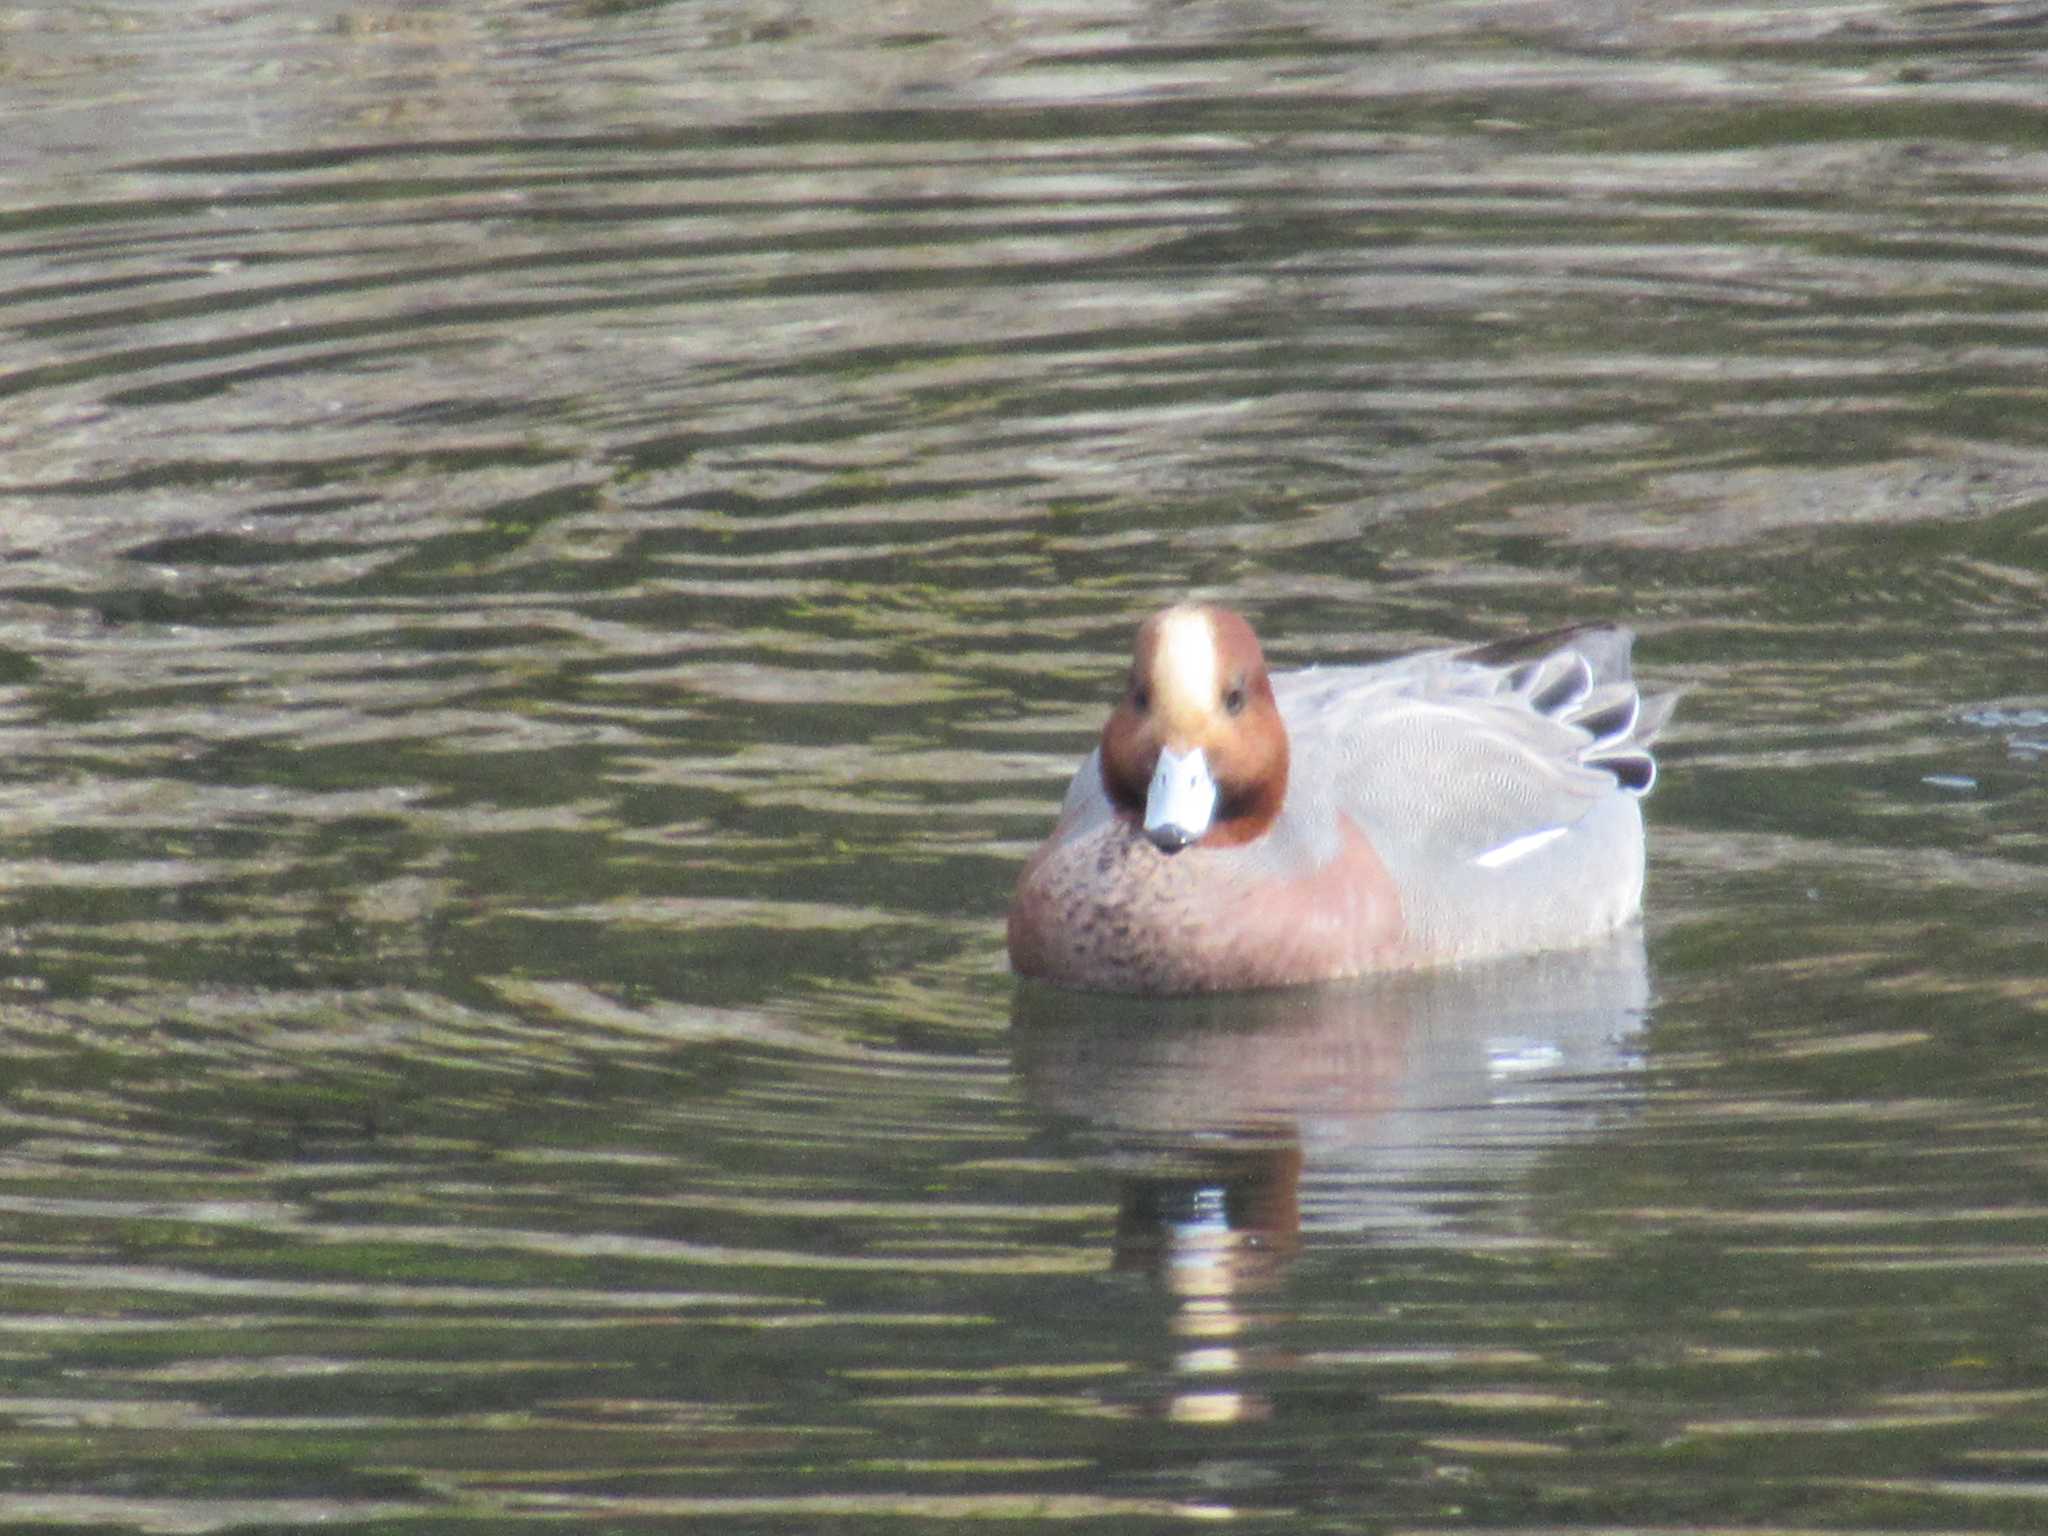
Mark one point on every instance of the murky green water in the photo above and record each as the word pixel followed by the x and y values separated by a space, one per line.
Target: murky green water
pixel 554 559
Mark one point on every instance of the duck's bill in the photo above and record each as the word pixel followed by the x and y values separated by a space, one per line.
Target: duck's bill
pixel 1181 801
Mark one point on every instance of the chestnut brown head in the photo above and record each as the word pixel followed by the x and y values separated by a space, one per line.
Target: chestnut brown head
pixel 1196 750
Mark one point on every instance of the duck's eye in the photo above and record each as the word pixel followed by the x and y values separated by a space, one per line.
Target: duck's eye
pixel 1141 698
pixel 1233 699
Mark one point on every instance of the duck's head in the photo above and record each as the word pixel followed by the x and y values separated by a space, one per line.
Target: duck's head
pixel 1196 750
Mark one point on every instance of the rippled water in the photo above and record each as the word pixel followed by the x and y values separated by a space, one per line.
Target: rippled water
pixel 555 558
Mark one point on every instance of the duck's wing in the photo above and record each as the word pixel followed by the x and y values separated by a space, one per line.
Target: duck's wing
pixel 1480 755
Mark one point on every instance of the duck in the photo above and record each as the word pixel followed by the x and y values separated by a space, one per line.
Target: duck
pixel 1236 829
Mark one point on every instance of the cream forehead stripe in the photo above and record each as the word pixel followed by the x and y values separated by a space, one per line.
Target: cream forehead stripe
pixel 1185 668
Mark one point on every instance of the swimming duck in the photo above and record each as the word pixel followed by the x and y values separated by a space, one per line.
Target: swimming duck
pixel 1236 829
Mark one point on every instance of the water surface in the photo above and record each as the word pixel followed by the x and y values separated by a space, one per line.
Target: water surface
pixel 554 560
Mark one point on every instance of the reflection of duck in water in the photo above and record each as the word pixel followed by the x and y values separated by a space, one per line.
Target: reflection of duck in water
pixel 1237 1125
pixel 1376 1105
pixel 1235 830
pixel 1219 1225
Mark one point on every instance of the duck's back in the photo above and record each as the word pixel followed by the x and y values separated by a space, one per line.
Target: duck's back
pixel 1498 785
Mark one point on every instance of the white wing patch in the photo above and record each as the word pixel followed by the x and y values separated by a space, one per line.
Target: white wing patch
pixel 1519 848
